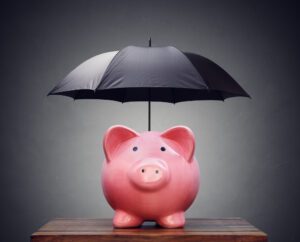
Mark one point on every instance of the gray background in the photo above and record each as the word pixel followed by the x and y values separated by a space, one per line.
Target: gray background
pixel 247 149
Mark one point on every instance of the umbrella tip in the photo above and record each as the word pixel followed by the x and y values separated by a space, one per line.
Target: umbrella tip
pixel 150 42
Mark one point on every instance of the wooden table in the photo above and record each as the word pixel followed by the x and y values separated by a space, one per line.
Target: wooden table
pixel 95 230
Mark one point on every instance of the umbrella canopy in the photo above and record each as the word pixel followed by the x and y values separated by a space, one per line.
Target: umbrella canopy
pixel 162 74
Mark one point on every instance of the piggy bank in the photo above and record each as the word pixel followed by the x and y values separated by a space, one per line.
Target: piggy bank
pixel 149 176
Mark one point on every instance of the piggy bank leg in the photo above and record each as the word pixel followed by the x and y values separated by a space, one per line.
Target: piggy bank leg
pixel 175 220
pixel 126 220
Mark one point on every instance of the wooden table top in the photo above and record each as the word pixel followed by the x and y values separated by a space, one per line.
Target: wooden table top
pixel 95 230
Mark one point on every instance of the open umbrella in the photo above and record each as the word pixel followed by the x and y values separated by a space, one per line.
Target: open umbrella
pixel 162 74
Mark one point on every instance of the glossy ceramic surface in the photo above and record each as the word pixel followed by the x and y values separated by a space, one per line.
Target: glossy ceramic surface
pixel 149 175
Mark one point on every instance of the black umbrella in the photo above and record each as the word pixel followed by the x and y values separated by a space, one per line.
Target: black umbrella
pixel 162 74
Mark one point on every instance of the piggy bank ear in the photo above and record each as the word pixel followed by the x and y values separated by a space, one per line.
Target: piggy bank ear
pixel 183 141
pixel 113 137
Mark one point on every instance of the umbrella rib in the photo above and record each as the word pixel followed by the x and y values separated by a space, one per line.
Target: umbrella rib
pixel 173 95
pixel 124 94
pixel 222 97
pixel 76 94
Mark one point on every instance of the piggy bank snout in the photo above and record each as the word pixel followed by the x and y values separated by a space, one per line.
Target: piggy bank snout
pixel 149 174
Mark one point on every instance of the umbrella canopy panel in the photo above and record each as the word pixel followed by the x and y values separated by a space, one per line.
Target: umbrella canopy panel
pixel 155 67
pixel 86 76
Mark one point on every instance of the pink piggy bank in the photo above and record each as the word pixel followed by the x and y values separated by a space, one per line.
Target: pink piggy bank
pixel 149 176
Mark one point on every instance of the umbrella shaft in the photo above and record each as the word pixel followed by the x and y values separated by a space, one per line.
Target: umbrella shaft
pixel 149 115
pixel 149 102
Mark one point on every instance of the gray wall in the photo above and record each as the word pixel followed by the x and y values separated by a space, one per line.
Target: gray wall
pixel 247 149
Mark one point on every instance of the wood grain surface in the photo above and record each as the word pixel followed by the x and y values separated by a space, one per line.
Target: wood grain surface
pixel 95 230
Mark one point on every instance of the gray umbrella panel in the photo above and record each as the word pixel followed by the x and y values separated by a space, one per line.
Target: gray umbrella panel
pixel 155 67
pixel 149 74
pixel 87 75
pixel 216 77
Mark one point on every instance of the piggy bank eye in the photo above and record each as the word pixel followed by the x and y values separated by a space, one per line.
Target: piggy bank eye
pixel 135 148
pixel 162 148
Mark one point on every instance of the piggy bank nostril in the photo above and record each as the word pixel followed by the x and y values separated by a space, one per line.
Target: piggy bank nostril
pixel 156 171
pixel 143 170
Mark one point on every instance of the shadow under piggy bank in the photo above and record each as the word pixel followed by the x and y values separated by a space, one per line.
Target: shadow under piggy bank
pixel 149 176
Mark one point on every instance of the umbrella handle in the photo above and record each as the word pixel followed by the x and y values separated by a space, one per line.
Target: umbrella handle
pixel 149 115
